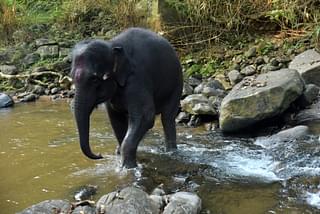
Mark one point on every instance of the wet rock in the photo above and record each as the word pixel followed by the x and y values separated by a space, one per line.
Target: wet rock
pixel 197 104
pixel 31 59
pixel 308 65
pixel 183 203
pixel 292 133
pixel 8 69
pixel 182 117
pixel 248 70
pixel 252 52
pixel 306 115
pixel 84 210
pixel 309 95
pixel 187 90
pixel 29 98
pixel 85 192
pixel 129 200
pixel 258 98
pixel 48 51
pixel 49 206
pixel 222 79
pixel 38 89
pixel 235 76
pixel 5 101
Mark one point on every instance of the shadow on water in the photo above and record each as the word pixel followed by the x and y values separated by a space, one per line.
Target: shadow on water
pixel 40 159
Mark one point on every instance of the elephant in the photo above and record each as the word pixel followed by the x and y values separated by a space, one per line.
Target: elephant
pixel 137 75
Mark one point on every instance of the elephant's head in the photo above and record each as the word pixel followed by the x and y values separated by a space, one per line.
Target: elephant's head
pixel 98 70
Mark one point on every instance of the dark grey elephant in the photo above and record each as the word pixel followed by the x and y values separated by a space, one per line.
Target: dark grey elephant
pixel 138 75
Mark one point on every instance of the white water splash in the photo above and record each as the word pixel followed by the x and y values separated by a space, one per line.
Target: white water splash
pixel 313 199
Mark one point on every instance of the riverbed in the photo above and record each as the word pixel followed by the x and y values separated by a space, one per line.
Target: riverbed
pixel 40 159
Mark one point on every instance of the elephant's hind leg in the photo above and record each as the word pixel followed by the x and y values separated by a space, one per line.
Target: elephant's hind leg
pixel 168 116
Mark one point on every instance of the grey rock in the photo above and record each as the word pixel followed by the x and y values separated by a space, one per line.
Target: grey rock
pixel 308 65
pixel 223 80
pixel 129 200
pixel 248 70
pixel 29 98
pixel 274 62
pixel 31 59
pixel 308 115
pixel 199 88
pixel 197 104
pixel 183 203
pixel 252 52
pixel 63 52
pixel 84 210
pixel 8 69
pixel 194 81
pixel 268 67
pixel 215 102
pixel 236 66
pixel 258 98
pixel 208 92
pixel 259 60
pixel 44 42
pixel 309 95
pixel 235 76
pixel 48 51
pixel 49 206
pixel 187 90
pixel 5 101
pixel 182 117
pixel 214 84
pixel 38 89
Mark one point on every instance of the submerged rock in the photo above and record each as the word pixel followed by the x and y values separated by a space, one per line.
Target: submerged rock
pixel 258 98
pixel 5 101
pixel 308 65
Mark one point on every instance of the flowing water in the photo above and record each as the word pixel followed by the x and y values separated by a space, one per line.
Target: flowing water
pixel 40 159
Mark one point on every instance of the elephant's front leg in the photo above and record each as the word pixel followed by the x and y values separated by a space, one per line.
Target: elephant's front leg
pixel 138 126
pixel 119 123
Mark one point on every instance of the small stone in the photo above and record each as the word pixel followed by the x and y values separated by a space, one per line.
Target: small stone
pixel 259 60
pixel 54 90
pixel 248 70
pixel 48 51
pixel 274 62
pixel 252 52
pixel 182 117
pixel 212 83
pixel 309 95
pixel 266 68
pixel 29 98
pixel 199 88
pixel 8 69
pixel 187 90
pixel 235 76
pixel 38 89
pixel 194 81
pixel 236 66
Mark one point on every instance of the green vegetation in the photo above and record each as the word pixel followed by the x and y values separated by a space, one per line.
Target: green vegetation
pixel 195 28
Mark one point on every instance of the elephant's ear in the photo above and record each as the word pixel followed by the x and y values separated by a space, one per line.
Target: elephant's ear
pixel 121 65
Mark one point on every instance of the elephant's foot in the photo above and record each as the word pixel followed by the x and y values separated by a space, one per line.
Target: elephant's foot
pixel 171 147
pixel 129 164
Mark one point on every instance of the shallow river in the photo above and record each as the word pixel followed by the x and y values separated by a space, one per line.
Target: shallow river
pixel 40 159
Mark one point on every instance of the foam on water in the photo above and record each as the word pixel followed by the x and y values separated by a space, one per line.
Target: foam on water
pixel 313 199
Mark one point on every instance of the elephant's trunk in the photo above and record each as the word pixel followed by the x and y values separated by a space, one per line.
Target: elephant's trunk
pixel 82 111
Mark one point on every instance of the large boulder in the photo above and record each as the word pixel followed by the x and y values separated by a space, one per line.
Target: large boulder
pixel 49 206
pixel 129 200
pixel 258 98
pixel 308 65
pixel 5 101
